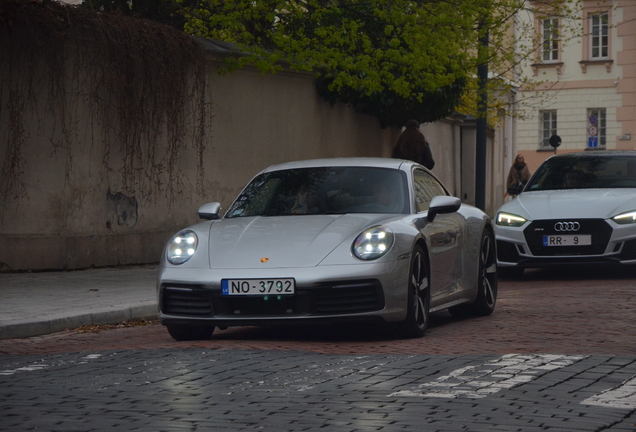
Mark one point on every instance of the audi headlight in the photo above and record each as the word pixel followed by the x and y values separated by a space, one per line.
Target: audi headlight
pixel 625 218
pixel 181 247
pixel 373 243
pixel 507 219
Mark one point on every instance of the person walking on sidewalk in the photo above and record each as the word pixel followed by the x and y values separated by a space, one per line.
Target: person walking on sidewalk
pixel 519 173
pixel 412 145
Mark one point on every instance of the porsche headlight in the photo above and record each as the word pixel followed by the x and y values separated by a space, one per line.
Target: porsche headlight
pixel 373 243
pixel 181 247
pixel 625 218
pixel 511 220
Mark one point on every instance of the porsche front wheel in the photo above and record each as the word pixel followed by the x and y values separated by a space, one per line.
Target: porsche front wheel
pixel 418 296
pixel 189 333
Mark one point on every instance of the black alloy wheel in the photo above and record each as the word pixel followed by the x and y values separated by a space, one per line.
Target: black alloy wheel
pixel 418 297
pixel 487 282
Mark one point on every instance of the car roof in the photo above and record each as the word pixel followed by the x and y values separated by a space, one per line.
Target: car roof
pixel 595 153
pixel 348 162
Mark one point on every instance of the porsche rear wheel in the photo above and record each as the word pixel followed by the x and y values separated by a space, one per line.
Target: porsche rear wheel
pixel 484 304
pixel 487 290
pixel 418 297
pixel 189 333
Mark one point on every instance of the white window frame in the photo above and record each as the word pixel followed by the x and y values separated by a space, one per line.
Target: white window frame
pixel 548 119
pixel 599 36
pixel 550 39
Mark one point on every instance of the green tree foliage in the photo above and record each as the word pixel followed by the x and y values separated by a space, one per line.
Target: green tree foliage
pixel 394 59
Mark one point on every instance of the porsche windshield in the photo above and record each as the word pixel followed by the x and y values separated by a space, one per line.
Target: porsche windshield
pixel 324 190
pixel 584 172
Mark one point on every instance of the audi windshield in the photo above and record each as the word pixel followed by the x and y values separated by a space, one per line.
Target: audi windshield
pixel 585 172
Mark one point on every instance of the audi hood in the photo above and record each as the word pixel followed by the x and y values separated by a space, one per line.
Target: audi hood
pixel 579 203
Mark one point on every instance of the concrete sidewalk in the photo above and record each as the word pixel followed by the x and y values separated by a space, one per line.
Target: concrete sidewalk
pixel 38 303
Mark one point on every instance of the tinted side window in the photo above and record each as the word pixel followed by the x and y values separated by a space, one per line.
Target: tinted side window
pixel 426 187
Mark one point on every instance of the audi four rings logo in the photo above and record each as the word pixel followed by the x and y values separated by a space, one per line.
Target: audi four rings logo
pixel 567 226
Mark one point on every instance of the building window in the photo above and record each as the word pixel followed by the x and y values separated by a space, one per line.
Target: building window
pixel 548 127
pixel 597 41
pixel 550 39
pixel 597 125
pixel 599 36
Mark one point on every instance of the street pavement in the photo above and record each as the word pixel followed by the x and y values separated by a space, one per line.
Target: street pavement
pixel 558 354
pixel 36 303
pixel 198 389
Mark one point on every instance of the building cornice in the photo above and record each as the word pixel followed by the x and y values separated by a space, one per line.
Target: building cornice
pixel 573 85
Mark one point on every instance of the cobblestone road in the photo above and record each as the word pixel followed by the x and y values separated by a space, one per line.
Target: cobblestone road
pixel 583 311
pixel 197 389
pixel 558 354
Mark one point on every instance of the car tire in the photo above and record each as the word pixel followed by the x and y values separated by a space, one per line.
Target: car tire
pixel 189 333
pixel 418 296
pixel 510 272
pixel 487 283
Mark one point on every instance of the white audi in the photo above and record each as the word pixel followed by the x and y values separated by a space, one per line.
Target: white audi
pixel 577 208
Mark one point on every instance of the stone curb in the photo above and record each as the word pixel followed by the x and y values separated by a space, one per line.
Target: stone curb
pixel 48 325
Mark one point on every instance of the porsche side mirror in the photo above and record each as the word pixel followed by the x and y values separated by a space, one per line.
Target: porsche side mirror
pixel 442 204
pixel 210 211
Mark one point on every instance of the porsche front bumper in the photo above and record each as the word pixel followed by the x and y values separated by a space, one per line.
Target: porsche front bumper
pixel 323 294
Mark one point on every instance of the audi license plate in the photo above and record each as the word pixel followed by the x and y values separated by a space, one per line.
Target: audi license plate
pixel 257 286
pixel 567 240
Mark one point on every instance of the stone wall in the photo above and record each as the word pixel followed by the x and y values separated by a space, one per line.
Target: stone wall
pixel 71 196
pixel 71 199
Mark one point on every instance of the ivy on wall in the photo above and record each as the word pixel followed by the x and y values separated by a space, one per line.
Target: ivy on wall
pixel 144 83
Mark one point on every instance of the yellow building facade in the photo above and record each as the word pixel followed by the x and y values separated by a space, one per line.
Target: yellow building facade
pixel 585 80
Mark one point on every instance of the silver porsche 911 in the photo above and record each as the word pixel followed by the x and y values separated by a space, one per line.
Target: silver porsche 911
pixel 577 209
pixel 326 241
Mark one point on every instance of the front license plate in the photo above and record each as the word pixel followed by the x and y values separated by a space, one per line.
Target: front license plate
pixel 257 286
pixel 567 240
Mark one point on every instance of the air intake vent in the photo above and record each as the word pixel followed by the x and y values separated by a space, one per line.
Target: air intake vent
pixel 350 299
pixel 186 301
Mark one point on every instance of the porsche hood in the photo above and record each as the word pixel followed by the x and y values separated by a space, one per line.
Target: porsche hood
pixel 580 203
pixel 290 241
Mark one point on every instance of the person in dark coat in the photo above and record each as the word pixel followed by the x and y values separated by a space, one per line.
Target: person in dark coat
pixel 519 172
pixel 412 145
